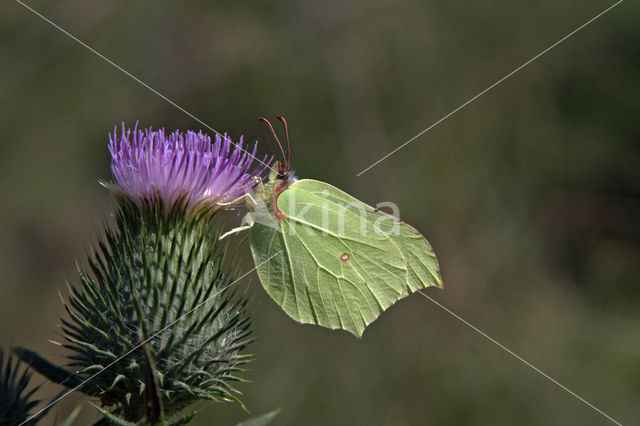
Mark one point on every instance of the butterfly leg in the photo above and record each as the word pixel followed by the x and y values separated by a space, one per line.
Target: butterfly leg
pixel 258 212
pixel 248 197
pixel 235 231
pixel 248 220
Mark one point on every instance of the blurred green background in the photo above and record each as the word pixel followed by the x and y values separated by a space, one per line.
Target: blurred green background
pixel 530 195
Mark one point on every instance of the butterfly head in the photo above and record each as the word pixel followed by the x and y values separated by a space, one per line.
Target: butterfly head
pixel 282 176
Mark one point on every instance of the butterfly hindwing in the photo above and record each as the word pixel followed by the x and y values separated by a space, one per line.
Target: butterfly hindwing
pixel 272 263
pixel 421 265
pixel 335 293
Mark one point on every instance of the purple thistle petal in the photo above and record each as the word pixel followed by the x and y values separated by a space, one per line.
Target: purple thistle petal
pixel 152 166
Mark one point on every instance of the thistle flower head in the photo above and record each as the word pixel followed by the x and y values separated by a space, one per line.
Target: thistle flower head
pixel 153 166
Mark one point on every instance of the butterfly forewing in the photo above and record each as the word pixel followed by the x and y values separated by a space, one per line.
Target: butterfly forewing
pixel 418 256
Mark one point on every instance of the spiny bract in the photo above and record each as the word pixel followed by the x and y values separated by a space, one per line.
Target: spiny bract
pixel 16 401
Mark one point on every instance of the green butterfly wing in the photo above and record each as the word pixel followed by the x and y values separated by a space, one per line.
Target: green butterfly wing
pixel 337 262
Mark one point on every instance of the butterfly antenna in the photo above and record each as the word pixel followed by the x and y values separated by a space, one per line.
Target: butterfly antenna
pixel 286 132
pixel 273 132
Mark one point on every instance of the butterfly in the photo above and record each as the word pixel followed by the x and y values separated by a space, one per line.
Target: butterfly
pixel 327 258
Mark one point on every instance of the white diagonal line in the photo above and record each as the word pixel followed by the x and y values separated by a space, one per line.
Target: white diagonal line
pixel 500 345
pixel 518 357
pixel 142 83
pixel 492 86
pixel 145 341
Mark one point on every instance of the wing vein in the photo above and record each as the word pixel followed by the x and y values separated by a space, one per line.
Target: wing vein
pixel 295 293
pixel 334 275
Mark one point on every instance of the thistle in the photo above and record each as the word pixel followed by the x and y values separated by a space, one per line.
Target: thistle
pixel 155 320
pixel 16 401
